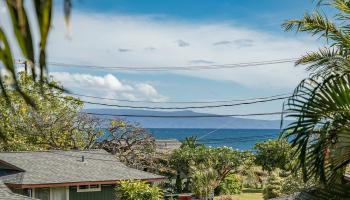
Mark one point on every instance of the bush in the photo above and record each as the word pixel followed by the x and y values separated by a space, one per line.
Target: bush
pixel 138 190
pixel 273 154
pixel 273 187
pixel 294 183
pixel 203 180
pixel 232 184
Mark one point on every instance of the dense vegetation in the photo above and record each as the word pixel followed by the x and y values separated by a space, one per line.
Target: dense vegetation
pixel 58 123
pixel 36 115
pixel 137 190
pixel 320 105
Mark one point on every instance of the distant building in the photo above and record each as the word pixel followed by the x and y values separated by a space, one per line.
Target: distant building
pixel 167 145
pixel 65 175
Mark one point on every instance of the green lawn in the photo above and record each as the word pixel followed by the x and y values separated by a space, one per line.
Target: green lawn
pixel 249 194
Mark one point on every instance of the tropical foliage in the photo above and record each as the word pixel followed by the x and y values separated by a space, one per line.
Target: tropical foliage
pixel 320 104
pixel 23 32
pixel 273 154
pixel 55 123
pixel 232 184
pixel 196 165
pixel 273 187
pixel 204 179
pixel 137 190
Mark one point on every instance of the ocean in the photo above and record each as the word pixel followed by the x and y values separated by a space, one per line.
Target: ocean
pixel 242 139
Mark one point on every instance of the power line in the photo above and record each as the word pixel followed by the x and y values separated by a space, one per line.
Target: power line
pixel 174 108
pixel 213 131
pixel 185 116
pixel 239 138
pixel 184 107
pixel 181 102
pixel 174 68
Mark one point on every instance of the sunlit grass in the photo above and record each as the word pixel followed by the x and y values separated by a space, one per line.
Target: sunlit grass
pixel 248 194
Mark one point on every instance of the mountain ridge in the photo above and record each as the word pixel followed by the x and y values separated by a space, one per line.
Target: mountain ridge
pixel 210 122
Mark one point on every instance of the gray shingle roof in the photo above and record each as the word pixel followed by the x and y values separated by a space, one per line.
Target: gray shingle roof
pixel 50 167
pixel 7 194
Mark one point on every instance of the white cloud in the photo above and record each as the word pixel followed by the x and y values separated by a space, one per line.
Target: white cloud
pixel 144 41
pixel 98 38
pixel 146 89
pixel 107 86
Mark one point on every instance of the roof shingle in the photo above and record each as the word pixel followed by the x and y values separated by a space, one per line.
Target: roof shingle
pixel 51 167
pixel 7 194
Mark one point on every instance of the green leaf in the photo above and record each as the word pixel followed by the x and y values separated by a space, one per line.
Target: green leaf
pixel 7 59
pixel 21 29
pixel 43 14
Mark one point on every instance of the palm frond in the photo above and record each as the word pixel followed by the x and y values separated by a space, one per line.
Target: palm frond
pixel 43 14
pixel 325 61
pixel 7 59
pixel 321 109
pixel 342 5
pixel 336 192
pixel 22 31
pixel 317 24
pixel 314 24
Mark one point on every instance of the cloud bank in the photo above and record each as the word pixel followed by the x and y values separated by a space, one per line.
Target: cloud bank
pixel 146 41
pixel 107 39
pixel 107 86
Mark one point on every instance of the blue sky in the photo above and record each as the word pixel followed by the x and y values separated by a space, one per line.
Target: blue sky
pixel 267 14
pixel 158 33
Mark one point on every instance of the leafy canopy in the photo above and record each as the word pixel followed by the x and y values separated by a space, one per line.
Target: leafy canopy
pixel 273 154
pixel 137 190
pixel 55 123
pixel 219 161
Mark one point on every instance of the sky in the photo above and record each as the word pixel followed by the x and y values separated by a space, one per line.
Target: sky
pixel 167 33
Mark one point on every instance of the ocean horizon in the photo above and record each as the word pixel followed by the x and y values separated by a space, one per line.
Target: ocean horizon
pixel 242 139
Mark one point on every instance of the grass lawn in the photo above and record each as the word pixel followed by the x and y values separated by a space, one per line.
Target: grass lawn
pixel 249 194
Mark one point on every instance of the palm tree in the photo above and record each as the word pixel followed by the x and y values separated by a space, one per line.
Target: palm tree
pixel 190 142
pixel 320 104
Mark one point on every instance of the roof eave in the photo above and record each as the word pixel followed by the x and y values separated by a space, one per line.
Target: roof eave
pixel 14 167
pixel 44 185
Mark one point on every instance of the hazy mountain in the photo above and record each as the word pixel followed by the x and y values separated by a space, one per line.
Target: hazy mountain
pixel 212 122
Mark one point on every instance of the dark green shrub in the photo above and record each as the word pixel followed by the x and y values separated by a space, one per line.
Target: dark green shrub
pixel 273 154
pixel 232 184
pixel 273 187
pixel 137 190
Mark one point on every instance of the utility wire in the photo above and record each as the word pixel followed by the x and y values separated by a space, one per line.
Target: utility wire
pixel 185 116
pixel 213 131
pixel 173 68
pixel 173 108
pixel 286 95
pixel 238 138
pixel 184 107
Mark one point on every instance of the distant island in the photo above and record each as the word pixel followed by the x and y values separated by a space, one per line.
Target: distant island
pixel 210 122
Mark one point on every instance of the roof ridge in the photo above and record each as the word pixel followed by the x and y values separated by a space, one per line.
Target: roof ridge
pixel 54 150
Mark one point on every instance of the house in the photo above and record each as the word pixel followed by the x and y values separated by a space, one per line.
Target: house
pixel 167 145
pixel 7 194
pixel 66 175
